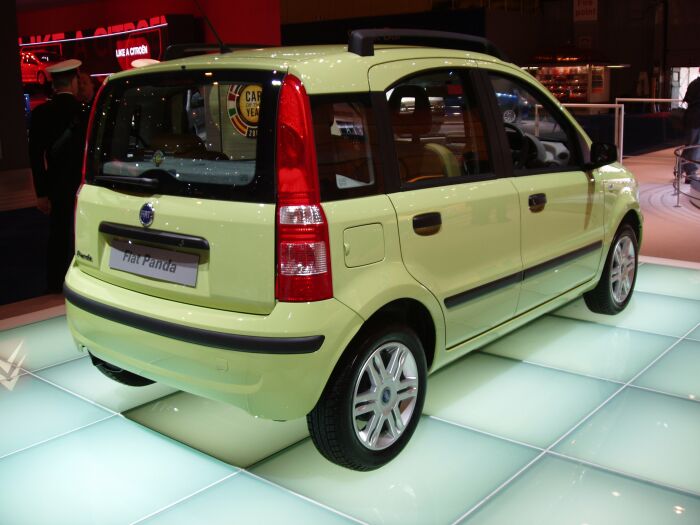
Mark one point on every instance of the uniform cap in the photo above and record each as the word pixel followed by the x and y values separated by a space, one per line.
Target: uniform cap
pixel 64 67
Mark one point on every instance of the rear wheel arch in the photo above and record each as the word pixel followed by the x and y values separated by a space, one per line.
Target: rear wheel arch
pixel 413 314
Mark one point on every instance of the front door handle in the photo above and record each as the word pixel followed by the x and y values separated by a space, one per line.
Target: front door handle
pixel 537 202
pixel 427 223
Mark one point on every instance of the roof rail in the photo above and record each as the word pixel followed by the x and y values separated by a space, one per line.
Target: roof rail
pixel 362 41
pixel 175 51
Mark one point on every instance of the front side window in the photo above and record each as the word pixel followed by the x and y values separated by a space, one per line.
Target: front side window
pixel 198 136
pixel 438 129
pixel 539 135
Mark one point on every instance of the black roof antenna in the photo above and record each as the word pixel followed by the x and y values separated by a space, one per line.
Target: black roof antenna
pixel 222 46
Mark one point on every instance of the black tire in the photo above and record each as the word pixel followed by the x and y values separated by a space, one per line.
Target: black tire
pixel 606 298
pixel 332 422
pixel 119 374
pixel 41 78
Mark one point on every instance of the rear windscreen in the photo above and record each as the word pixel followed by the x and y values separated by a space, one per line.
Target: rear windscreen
pixel 195 133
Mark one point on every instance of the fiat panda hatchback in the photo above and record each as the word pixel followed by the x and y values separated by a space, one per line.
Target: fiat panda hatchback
pixel 310 231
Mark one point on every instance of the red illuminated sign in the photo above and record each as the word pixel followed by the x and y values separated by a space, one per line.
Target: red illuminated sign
pixel 116 29
pixel 131 49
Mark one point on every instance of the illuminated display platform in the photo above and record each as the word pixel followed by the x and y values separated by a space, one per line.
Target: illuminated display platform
pixel 575 418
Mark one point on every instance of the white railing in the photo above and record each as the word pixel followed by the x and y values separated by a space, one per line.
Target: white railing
pixel 622 100
pixel 619 110
pixel 618 106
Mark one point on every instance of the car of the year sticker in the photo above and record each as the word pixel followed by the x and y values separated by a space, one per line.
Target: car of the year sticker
pixel 243 106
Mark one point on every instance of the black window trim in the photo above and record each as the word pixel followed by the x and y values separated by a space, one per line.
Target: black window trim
pixel 581 149
pixel 467 74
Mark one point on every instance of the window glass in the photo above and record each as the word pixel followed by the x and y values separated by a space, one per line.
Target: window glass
pixel 539 136
pixel 344 135
pixel 438 130
pixel 197 136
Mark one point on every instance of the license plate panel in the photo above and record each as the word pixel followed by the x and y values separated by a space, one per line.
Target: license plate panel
pixel 155 263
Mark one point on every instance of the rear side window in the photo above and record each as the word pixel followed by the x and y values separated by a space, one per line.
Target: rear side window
pixel 197 134
pixel 345 137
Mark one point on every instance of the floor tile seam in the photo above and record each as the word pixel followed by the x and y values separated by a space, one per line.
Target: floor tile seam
pixel 486 433
pixel 499 489
pixel 55 364
pixel 663 294
pixel 625 474
pixel 645 332
pixel 98 405
pixel 555 368
pixel 663 261
pixel 275 454
pixel 303 497
pixel 184 498
pixel 57 436
pixel 667 394
pixel 618 391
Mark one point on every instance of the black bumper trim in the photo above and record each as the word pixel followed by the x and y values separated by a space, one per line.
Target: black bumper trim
pixel 240 343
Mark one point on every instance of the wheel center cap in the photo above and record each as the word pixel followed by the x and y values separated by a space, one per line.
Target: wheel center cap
pixel 386 395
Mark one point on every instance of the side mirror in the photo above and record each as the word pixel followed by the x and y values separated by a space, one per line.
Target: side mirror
pixel 601 155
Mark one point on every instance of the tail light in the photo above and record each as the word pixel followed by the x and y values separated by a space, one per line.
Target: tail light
pixel 303 250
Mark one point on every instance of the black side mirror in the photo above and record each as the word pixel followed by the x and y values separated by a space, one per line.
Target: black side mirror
pixel 602 154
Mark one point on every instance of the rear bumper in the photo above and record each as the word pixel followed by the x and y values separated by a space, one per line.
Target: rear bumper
pixel 273 366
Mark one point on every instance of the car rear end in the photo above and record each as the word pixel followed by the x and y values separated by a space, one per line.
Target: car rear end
pixel 202 252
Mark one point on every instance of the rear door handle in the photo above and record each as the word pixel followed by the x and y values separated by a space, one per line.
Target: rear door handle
pixel 537 202
pixel 427 223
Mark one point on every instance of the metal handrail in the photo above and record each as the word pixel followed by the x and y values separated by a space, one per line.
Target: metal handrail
pixel 678 172
pixel 622 100
pixel 619 108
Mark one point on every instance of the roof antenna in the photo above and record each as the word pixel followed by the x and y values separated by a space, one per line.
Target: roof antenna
pixel 222 47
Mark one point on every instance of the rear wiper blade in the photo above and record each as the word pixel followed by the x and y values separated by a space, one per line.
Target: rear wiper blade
pixel 126 180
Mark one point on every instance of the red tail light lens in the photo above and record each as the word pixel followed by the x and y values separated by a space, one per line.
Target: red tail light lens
pixel 303 251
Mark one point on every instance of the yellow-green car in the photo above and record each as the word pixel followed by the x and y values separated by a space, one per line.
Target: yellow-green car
pixel 309 231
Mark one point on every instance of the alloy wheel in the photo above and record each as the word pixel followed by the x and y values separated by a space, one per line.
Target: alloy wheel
pixel 622 270
pixel 385 396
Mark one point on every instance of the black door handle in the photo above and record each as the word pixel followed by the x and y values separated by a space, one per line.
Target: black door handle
pixel 537 202
pixel 427 223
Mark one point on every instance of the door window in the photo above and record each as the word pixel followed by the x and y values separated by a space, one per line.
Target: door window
pixel 438 130
pixel 540 137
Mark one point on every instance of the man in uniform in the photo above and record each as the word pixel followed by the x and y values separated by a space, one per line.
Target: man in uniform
pixel 56 144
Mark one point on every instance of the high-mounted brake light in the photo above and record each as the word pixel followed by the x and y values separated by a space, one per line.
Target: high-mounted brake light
pixel 303 250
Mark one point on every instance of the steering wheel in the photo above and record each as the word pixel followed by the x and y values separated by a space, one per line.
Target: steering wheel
pixel 519 145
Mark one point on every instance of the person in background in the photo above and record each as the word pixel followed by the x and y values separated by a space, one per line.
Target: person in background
pixel 691 123
pixel 56 143
pixel 86 89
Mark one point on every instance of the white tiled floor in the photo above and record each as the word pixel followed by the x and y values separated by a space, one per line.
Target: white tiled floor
pixel 575 418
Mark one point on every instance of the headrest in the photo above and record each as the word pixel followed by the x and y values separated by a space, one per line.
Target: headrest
pixel 416 120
